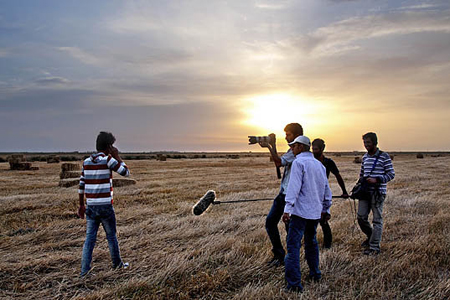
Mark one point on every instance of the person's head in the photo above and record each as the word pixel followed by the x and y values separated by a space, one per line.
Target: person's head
pixel 318 145
pixel 370 141
pixel 293 130
pixel 104 141
pixel 300 144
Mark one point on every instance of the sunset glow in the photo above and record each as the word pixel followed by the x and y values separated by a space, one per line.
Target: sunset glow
pixel 154 71
pixel 272 112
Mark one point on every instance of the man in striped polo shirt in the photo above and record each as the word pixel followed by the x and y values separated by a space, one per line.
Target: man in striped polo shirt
pixel 377 171
pixel 96 185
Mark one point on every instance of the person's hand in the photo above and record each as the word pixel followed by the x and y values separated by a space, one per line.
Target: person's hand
pixel 113 151
pixel 81 211
pixel 371 180
pixel 264 144
pixel 286 218
pixel 345 195
pixel 325 217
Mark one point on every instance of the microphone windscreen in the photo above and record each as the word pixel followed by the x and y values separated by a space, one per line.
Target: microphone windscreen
pixel 204 203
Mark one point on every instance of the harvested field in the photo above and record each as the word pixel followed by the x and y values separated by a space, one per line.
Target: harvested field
pixel 221 254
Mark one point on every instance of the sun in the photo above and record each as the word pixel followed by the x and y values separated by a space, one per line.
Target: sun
pixel 271 113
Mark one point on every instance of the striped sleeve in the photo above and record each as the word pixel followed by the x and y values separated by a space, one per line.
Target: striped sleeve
pixel 82 182
pixel 389 172
pixel 120 168
pixel 361 172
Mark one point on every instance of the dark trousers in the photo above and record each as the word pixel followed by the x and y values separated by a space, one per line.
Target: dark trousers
pixel 327 236
pixel 299 229
pixel 272 220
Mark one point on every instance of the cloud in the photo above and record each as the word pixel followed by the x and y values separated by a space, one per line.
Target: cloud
pixel 4 52
pixel 52 81
pixel 339 35
pixel 81 55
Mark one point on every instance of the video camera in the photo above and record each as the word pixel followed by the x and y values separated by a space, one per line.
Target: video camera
pixel 270 139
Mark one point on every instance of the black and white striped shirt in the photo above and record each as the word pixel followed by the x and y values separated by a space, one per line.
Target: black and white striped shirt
pixel 383 171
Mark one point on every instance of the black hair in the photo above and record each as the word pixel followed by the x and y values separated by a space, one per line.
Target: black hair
pixel 319 143
pixel 105 140
pixel 371 136
pixel 295 128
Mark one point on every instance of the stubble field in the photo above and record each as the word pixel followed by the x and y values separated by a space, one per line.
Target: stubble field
pixel 223 253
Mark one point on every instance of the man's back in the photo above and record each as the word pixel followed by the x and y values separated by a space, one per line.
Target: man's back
pixel 96 178
pixel 308 187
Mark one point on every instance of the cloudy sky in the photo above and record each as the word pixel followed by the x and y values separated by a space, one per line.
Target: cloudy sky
pixel 202 75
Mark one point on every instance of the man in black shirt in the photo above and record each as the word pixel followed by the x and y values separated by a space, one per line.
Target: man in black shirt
pixel 318 145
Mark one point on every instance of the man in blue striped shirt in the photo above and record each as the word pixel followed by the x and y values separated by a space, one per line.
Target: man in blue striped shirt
pixel 377 171
pixel 96 185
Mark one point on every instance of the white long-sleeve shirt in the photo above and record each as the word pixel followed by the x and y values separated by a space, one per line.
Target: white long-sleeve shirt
pixel 308 193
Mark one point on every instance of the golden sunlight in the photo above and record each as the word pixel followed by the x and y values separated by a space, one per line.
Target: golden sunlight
pixel 272 112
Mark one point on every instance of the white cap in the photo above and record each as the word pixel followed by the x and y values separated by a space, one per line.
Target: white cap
pixel 301 139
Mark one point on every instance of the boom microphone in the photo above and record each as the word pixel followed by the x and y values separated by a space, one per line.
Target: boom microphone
pixel 204 203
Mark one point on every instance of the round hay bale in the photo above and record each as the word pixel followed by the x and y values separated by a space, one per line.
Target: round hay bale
pixel 161 157
pixel 357 160
pixel 420 155
pixel 70 167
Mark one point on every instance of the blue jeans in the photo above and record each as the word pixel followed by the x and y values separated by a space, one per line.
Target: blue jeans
pixel 375 204
pixel 272 220
pixel 96 214
pixel 299 227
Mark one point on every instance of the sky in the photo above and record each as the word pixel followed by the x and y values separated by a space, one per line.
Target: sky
pixel 203 75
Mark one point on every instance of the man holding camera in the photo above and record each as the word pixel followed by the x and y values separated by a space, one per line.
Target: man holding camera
pixel 308 198
pixel 318 145
pixel 376 171
pixel 292 130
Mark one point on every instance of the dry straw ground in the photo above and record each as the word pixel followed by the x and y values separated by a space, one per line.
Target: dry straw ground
pixel 223 253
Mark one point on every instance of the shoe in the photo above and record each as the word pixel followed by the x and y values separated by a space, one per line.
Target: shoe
pixel 326 246
pixel 314 278
pixel 86 274
pixel 365 244
pixel 293 289
pixel 122 265
pixel 276 262
pixel 371 252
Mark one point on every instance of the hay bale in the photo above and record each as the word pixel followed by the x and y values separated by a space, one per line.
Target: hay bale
pixel 123 182
pixel 357 160
pixel 21 166
pixel 420 155
pixel 53 159
pixel 16 158
pixel 70 167
pixel 69 174
pixel 161 157
pixel 68 182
